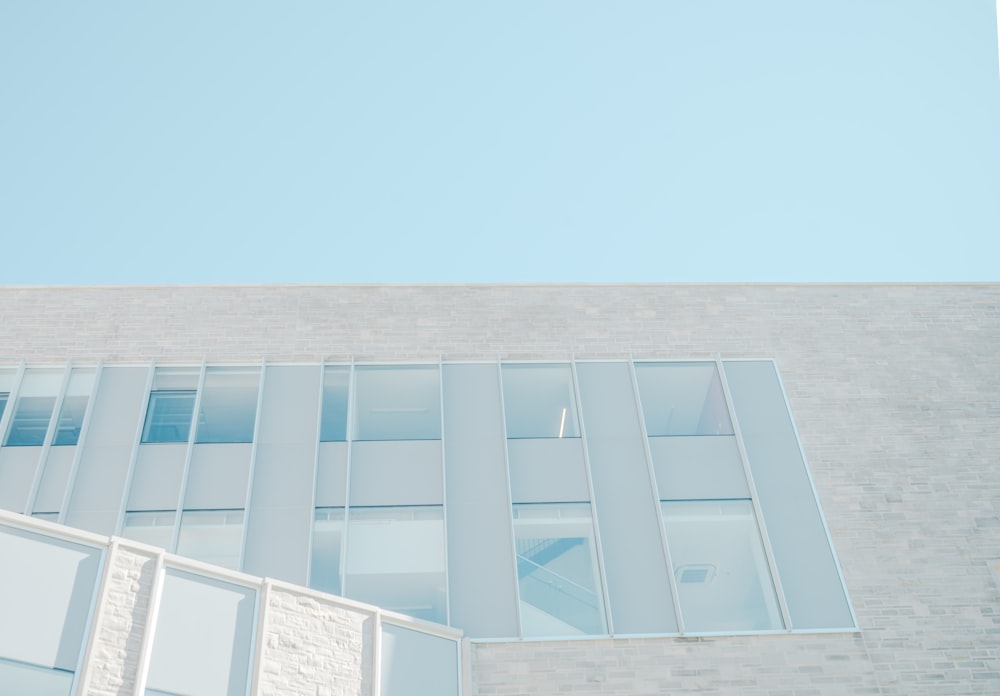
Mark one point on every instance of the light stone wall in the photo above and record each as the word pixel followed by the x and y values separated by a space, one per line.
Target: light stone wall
pixel 119 623
pixel 895 390
pixel 314 646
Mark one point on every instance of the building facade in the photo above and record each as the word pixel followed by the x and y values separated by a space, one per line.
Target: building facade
pixel 501 489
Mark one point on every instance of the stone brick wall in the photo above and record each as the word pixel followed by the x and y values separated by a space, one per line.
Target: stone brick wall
pixel 748 665
pixel 313 646
pixel 119 623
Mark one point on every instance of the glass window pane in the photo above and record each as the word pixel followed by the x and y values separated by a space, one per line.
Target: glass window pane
pixel 723 580
pixel 228 405
pixel 22 678
pixel 7 376
pixel 202 639
pixel 395 402
pixel 212 536
pixel 539 401
pixel 395 559
pixel 171 405
pixel 557 571
pixel 334 423
pixel 155 528
pixel 682 399
pixel 36 398
pixel 81 382
pixel 328 535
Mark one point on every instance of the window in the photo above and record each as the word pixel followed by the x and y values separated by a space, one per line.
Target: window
pixel 557 572
pixel 6 384
pixel 682 399
pixel 46 595
pixel 203 637
pixel 74 406
pixel 171 405
pixel 397 403
pixel 539 401
pixel 155 528
pixel 212 536
pixel 36 398
pixel 228 409
pixel 334 419
pixel 395 559
pixel 723 579
pixel 327 540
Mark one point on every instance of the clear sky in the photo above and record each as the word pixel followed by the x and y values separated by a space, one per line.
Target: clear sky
pixel 489 141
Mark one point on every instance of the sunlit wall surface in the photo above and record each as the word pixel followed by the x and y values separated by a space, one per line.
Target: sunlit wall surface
pixel 508 499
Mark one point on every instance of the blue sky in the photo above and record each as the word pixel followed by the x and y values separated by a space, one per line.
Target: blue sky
pixel 516 141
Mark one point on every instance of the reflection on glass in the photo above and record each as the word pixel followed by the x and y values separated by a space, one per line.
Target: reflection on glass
pixel 334 424
pixel 155 528
pixel 539 401
pixel 228 404
pixel 36 398
pixel 395 559
pixel 171 405
pixel 6 384
pixel 328 535
pixel 23 678
pixel 74 406
pixel 212 536
pixel 682 399
pixel 397 402
pixel 557 570
pixel 723 580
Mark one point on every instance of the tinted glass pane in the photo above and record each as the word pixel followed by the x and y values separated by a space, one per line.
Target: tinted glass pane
pixel 171 405
pixel 539 401
pixel 6 384
pixel 212 536
pixel 682 399
pixel 74 407
pixel 397 403
pixel 557 571
pixel 395 559
pixel 228 405
pixel 334 424
pixel 36 398
pixel 155 528
pixel 723 580
pixel 328 535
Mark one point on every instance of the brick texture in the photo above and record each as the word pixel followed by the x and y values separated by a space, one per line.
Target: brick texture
pixel 315 647
pixel 120 623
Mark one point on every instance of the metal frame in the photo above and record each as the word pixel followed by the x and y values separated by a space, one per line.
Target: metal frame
pixel 253 462
pixel 655 490
pixel 510 501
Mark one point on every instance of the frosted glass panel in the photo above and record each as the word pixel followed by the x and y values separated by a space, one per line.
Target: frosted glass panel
pixel 395 559
pixel 203 637
pixel 212 536
pixel 228 405
pixel 17 678
pixel 539 401
pixel 417 664
pixel 74 406
pixel 682 399
pixel 723 580
pixel 397 403
pixel 46 595
pixel 327 540
pixel 36 398
pixel 155 528
pixel 334 419
pixel 557 570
